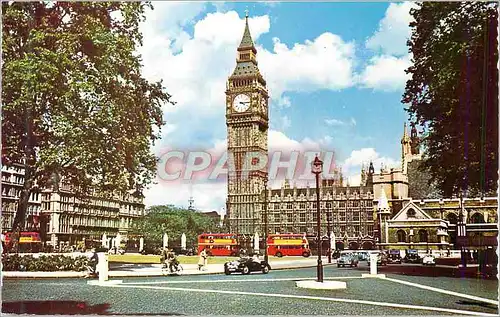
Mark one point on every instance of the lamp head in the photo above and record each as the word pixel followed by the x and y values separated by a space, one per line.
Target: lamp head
pixel 317 165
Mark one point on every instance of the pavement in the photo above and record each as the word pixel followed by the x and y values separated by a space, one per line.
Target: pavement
pixel 144 270
pixel 274 293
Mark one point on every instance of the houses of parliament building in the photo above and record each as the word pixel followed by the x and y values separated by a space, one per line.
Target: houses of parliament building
pixel 377 213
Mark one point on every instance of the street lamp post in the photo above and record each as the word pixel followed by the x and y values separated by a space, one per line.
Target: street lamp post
pixel 329 237
pixel 317 168
pixel 266 256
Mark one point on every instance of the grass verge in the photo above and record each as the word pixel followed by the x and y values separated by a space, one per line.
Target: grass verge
pixel 152 259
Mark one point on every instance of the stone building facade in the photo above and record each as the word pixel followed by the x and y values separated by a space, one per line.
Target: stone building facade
pixel 63 218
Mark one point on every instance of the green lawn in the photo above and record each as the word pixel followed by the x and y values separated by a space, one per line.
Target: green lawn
pixel 148 259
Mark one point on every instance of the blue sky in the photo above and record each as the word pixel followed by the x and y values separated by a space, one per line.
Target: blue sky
pixel 335 73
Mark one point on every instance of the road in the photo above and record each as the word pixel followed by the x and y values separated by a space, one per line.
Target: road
pixel 271 294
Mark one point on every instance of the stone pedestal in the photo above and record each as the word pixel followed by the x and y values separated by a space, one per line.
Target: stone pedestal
pixel 373 264
pixel 103 267
pixel 321 285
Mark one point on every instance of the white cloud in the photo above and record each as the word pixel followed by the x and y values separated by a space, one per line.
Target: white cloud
pixel 337 122
pixel 285 122
pixel 271 3
pixel 386 73
pixel 364 156
pixel 194 69
pixel 354 180
pixel 393 30
pixel 324 63
pixel 284 102
pixel 207 197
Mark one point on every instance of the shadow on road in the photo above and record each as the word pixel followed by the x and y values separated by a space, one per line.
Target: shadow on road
pixel 54 308
pixel 65 308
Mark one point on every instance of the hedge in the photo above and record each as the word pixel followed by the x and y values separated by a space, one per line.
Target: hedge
pixel 44 263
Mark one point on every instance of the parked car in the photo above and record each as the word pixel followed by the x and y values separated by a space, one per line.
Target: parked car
pixel 180 251
pixel 412 257
pixel 429 259
pixel 246 265
pixel 347 259
pixel 381 259
pixel 363 256
pixel 394 257
pixel 150 250
pixel 119 251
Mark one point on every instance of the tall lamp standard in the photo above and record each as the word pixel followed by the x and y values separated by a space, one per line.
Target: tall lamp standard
pixel 328 216
pixel 317 168
pixel 266 255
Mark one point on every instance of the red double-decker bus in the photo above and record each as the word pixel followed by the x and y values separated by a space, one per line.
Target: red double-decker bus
pixel 222 244
pixel 288 244
pixel 28 241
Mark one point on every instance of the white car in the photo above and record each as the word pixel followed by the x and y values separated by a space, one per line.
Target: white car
pixel 429 260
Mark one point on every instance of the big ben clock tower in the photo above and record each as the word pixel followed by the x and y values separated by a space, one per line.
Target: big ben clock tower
pixel 247 125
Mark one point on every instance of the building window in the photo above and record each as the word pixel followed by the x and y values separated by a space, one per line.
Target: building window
pixel 452 218
pixel 302 217
pixel 329 205
pixel 314 206
pixel 355 216
pixel 342 204
pixel 290 217
pixel 302 206
pixel 349 216
pixel 329 216
pixel 369 230
pixel 423 236
pixel 342 216
pixel 401 236
pixel 410 213
pixel 289 206
pixel 477 218
pixel 356 230
pixel 276 206
pixel 369 215
pixel 355 204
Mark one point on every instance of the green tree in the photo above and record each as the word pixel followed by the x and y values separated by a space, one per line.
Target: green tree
pixel 174 222
pixel 453 91
pixel 420 184
pixel 75 105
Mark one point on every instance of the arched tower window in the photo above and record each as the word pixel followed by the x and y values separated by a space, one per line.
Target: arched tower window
pixel 423 236
pixel 477 218
pixel 401 236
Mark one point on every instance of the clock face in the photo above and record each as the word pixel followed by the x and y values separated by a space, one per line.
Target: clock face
pixel 241 102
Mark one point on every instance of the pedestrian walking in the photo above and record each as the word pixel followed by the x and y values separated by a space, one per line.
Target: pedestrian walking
pixel 93 261
pixel 202 262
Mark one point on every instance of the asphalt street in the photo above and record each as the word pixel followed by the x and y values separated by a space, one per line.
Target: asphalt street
pixel 271 294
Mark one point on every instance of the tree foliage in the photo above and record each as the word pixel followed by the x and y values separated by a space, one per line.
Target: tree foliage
pixel 174 222
pixel 420 182
pixel 453 91
pixel 75 105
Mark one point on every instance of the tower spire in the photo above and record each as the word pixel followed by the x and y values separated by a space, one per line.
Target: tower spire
pixel 246 41
pixel 406 137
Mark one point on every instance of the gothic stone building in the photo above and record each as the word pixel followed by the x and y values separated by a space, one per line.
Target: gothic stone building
pixel 378 213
